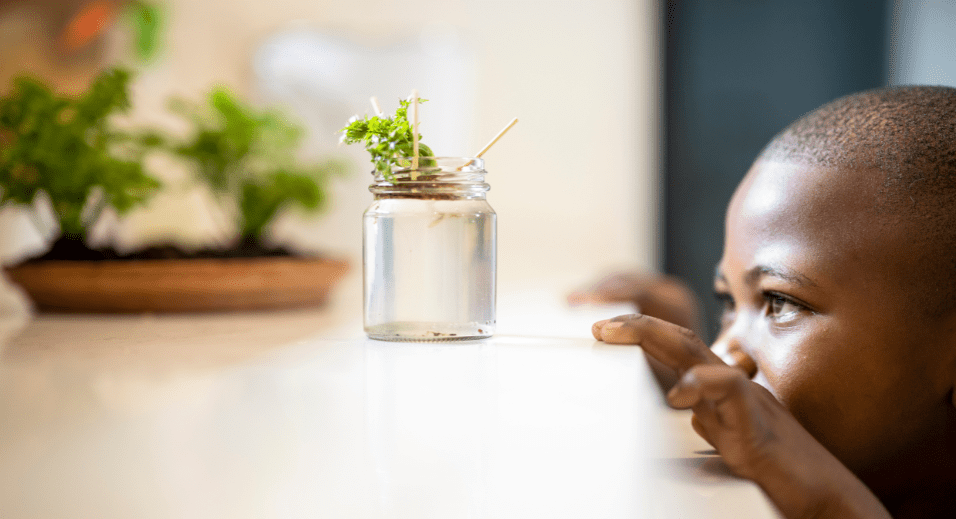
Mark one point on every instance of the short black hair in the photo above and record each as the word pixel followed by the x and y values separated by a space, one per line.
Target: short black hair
pixel 908 135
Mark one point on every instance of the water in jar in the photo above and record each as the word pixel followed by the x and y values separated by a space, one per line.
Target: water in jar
pixel 429 269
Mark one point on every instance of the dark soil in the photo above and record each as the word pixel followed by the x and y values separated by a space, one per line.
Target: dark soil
pixel 425 189
pixel 420 196
pixel 71 249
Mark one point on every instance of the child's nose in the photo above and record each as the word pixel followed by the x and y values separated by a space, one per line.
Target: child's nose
pixel 734 354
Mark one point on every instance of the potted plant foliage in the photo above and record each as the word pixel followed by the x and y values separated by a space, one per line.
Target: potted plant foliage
pixel 67 150
pixel 247 160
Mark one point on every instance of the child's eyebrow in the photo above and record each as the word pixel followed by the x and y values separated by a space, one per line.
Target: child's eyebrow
pixel 783 273
pixel 759 271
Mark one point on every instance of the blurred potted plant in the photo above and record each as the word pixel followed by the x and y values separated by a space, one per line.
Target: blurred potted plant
pixel 67 149
pixel 247 160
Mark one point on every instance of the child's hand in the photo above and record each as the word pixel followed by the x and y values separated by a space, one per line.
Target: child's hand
pixel 755 434
pixel 664 297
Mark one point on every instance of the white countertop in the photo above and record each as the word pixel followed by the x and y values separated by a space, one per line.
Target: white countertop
pixel 296 414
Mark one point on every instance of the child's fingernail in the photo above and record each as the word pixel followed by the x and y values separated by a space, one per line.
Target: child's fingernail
pixel 674 396
pixel 683 394
pixel 609 329
pixel 596 328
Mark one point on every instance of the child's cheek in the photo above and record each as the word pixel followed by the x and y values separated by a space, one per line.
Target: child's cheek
pixel 782 368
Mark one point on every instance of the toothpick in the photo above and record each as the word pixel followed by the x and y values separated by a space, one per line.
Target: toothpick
pixel 414 134
pixel 490 144
pixel 376 107
pixel 493 141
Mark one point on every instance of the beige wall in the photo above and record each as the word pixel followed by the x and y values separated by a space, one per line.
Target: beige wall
pixel 574 184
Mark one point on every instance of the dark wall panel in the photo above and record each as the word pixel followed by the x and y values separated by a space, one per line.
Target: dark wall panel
pixel 737 72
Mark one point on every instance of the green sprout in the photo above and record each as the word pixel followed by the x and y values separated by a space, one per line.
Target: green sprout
pixel 387 139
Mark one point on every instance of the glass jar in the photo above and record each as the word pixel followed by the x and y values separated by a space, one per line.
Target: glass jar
pixel 429 253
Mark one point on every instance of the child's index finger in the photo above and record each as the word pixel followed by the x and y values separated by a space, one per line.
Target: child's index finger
pixel 678 348
pixel 596 328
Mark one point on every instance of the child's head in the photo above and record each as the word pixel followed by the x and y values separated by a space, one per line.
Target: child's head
pixel 839 270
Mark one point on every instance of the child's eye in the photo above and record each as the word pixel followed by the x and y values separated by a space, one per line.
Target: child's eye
pixel 781 307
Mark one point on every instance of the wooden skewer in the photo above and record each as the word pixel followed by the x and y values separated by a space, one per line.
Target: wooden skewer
pixel 376 107
pixel 490 144
pixel 414 134
pixel 493 141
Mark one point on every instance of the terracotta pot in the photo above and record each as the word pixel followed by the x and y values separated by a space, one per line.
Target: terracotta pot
pixel 178 285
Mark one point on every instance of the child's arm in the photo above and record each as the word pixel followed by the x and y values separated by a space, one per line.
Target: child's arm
pixel 758 438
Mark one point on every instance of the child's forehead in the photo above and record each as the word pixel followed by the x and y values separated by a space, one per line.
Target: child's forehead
pixel 789 193
pixel 813 221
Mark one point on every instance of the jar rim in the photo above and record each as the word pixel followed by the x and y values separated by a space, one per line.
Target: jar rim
pixel 440 164
pixel 464 176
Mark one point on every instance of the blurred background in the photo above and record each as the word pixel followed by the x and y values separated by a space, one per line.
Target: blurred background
pixel 574 183
pixel 637 117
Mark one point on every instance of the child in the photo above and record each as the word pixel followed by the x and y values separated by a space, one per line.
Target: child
pixel 839 283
